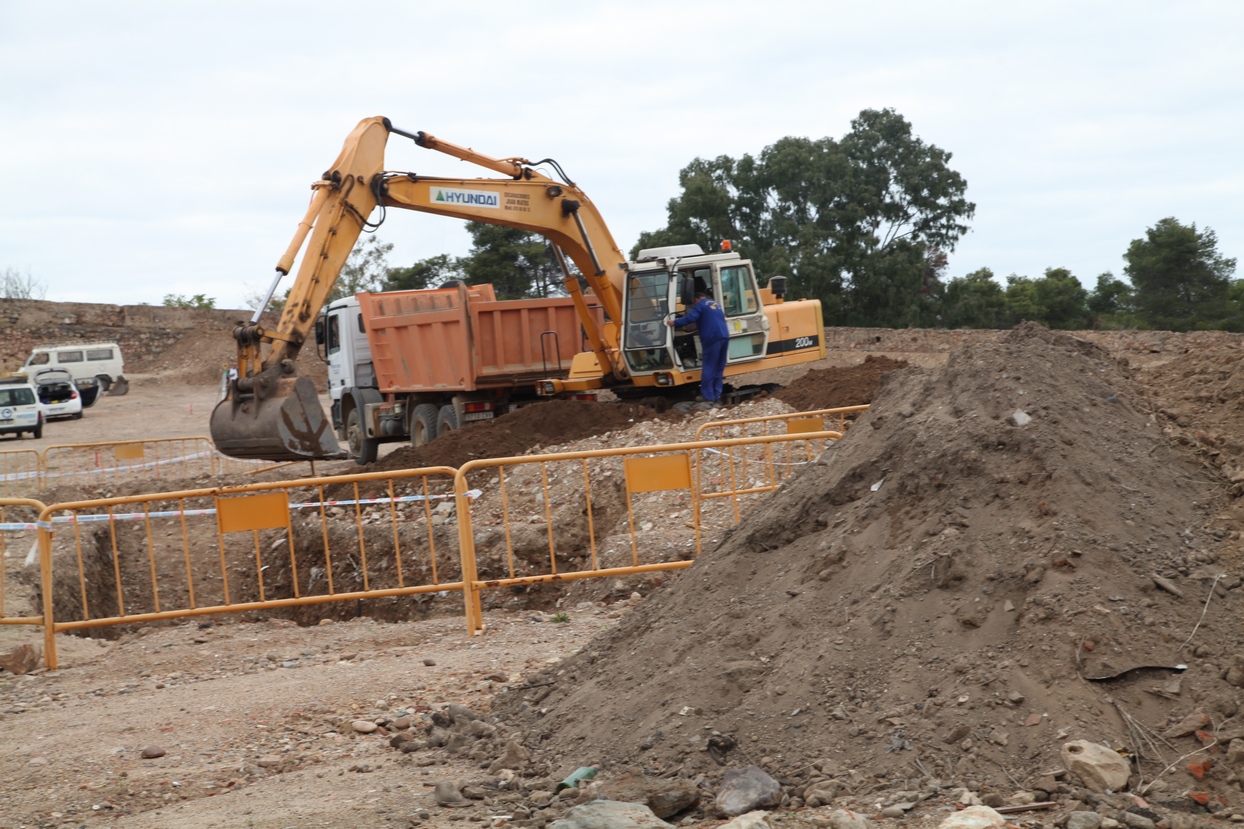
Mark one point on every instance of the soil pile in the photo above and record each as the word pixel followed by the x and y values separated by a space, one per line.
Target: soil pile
pixel 930 599
pixel 832 387
pixel 547 423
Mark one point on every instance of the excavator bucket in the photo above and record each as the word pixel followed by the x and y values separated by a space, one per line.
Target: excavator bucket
pixel 282 421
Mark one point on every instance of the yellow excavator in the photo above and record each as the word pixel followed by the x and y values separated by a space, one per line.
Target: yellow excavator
pixel 271 413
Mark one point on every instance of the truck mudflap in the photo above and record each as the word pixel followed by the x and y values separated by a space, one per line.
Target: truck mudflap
pixel 276 421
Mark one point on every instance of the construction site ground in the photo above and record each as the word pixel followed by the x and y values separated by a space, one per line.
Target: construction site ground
pixel 921 618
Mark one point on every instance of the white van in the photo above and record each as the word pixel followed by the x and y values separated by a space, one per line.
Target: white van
pixel 82 360
pixel 19 409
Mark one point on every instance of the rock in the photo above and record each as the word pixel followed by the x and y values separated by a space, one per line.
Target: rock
pixel 429 662
pixel 447 794
pixel 664 796
pixel 747 789
pixel 846 819
pixel 1097 766
pixel 956 734
pixel 993 800
pixel 751 820
pixel 397 739
pixel 22 660
pixel 459 713
pixel 364 726
pixel 1188 725
pixel 1235 752
pixel 514 757
pixel 974 817
pixel 268 761
pixel 1136 821
pixel 152 752
pixel 893 811
pixel 823 792
pixel 401 723
pixel 1083 820
pixel 609 814
pixel 1167 585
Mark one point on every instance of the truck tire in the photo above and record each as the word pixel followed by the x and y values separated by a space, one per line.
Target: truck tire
pixel 423 423
pixel 105 382
pixel 446 420
pixel 362 447
pixel 38 430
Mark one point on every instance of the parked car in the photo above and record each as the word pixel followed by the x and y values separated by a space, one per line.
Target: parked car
pixel 20 410
pixel 101 360
pixel 57 393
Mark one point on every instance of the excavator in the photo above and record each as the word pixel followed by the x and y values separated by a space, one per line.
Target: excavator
pixel 272 413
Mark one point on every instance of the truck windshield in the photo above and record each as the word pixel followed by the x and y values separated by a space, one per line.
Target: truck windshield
pixel 647 305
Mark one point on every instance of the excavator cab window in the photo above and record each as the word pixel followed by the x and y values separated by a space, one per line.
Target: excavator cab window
pixel 738 291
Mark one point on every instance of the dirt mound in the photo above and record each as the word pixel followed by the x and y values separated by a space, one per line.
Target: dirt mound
pixel 928 599
pixel 200 355
pixel 828 388
pixel 548 423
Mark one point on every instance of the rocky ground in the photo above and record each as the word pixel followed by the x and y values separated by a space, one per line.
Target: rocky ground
pixel 999 569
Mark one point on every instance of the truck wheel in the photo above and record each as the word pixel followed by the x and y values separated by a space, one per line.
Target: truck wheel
pixel 423 424
pixel 105 382
pixel 362 447
pixel 446 420
pixel 38 432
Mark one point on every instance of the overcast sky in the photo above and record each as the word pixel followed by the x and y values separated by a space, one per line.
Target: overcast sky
pixel 155 148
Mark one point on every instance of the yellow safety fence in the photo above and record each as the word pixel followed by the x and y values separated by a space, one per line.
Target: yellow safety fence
pixel 23 471
pixel 366 536
pixel 19 469
pixel 514 535
pixel 756 469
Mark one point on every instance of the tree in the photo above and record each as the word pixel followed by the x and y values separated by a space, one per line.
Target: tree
pixel 854 221
pixel 1181 282
pixel 16 285
pixel 516 262
pixel 365 269
pixel 196 301
pixel 974 301
pixel 425 273
pixel 1110 303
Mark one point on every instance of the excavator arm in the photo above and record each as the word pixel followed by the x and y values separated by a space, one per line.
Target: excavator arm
pixel 270 412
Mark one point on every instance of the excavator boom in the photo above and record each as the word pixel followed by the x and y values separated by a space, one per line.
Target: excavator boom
pixel 271 413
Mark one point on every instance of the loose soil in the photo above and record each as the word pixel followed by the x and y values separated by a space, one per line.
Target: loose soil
pixel 931 606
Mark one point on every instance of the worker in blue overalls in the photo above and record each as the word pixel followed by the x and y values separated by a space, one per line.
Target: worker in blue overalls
pixel 710 323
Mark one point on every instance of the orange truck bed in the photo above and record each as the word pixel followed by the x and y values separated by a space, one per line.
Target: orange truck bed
pixel 464 339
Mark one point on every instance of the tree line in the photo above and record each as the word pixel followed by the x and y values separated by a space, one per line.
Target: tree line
pixel 865 223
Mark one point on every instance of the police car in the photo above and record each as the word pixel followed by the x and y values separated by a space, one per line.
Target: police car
pixel 19 409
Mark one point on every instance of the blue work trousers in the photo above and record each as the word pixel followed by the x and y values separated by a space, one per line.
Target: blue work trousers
pixel 712 368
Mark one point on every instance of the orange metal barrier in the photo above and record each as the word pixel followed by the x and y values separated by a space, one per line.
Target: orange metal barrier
pixel 740 472
pixel 527 539
pixel 18 536
pixel 21 471
pixel 139 460
pixel 255 547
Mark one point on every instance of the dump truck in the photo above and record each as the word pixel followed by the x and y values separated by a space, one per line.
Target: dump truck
pixel 272 413
pixel 411 365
